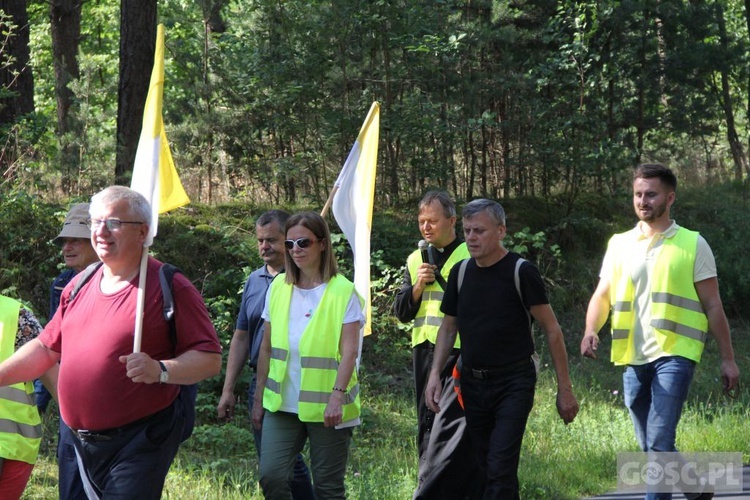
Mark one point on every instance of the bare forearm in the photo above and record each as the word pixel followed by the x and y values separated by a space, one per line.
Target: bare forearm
pixel 264 361
pixel 191 367
pixel 446 339
pixel 349 348
pixel 545 316
pixel 28 363
pixel 238 353
pixel 596 315
pixel 559 356
pixel 719 327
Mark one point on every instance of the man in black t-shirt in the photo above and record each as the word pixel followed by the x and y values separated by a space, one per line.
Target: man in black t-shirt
pixel 446 467
pixel 498 375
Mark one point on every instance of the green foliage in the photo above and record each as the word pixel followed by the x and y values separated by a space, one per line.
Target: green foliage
pixel 28 259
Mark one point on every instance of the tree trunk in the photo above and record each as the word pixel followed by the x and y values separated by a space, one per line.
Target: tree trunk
pixel 735 145
pixel 137 42
pixel 16 77
pixel 65 24
pixel 747 109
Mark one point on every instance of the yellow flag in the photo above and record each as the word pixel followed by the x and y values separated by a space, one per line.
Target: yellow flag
pixel 154 173
pixel 352 203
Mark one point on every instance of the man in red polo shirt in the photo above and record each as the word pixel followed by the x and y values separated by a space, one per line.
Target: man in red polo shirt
pixel 123 408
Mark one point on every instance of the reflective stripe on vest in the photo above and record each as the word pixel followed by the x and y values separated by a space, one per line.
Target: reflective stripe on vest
pixel 20 425
pixel 678 321
pixel 319 351
pixel 429 318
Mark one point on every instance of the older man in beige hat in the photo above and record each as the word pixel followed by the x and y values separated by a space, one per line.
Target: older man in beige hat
pixel 75 242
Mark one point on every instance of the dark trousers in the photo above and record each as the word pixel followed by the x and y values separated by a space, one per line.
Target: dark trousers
pixel 69 478
pixel 497 409
pixel 300 483
pixel 447 467
pixel 132 461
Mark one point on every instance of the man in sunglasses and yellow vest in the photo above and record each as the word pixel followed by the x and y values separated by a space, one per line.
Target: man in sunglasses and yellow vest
pixel 20 425
pixel 447 468
pixel 659 280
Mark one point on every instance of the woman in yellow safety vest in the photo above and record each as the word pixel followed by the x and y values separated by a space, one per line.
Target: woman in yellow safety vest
pixel 20 425
pixel 307 385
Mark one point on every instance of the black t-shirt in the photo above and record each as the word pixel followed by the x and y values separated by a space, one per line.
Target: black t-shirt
pixel 492 322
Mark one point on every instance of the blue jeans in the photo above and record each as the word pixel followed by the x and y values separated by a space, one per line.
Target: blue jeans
pixel 654 395
pixel 300 483
pixel 497 409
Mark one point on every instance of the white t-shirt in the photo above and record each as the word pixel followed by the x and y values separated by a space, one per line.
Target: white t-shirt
pixel 303 305
pixel 644 253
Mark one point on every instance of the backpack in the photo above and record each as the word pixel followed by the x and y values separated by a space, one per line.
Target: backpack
pixel 188 393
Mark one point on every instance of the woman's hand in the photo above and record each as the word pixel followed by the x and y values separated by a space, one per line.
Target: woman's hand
pixel 257 415
pixel 334 412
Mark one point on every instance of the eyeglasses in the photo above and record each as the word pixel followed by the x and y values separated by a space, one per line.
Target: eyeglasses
pixel 300 242
pixel 111 224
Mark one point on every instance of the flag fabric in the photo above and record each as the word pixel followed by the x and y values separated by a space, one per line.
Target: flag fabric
pixel 353 200
pixel 154 173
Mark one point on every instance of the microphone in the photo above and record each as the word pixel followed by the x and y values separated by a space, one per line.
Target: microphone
pixel 423 250
pixel 426 256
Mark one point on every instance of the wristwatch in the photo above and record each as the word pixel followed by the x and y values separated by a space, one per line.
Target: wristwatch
pixel 164 375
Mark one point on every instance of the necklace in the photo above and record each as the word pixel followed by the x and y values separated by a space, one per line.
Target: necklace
pixel 307 300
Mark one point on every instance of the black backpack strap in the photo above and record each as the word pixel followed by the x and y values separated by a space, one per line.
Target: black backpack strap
pixel 461 272
pixel 188 393
pixel 517 280
pixel 83 278
pixel 166 275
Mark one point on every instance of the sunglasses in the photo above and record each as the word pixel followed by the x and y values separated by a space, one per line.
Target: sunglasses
pixel 300 242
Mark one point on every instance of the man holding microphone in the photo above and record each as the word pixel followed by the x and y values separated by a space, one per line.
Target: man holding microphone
pixel 446 462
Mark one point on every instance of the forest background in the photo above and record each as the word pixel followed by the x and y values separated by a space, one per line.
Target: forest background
pixel 543 105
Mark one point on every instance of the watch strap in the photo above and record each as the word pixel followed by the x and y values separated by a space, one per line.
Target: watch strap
pixel 163 374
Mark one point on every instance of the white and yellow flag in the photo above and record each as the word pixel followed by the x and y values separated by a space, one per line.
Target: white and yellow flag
pixel 154 173
pixel 353 200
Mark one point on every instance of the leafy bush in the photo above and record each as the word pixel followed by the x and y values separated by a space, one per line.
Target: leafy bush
pixel 28 258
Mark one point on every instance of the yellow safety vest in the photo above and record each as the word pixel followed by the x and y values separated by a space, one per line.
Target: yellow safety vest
pixel 20 425
pixel 429 318
pixel 319 351
pixel 677 317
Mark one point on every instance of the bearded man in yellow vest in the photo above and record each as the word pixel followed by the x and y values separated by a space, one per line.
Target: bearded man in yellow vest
pixel 447 469
pixel 20 425
pixel 660 282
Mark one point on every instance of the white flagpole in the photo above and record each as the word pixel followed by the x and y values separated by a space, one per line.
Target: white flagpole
pixel 141 302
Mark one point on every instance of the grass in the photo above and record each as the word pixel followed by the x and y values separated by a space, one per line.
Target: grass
pixel 558 461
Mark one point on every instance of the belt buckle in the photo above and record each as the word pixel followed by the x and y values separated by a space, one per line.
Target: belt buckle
pixel 89 436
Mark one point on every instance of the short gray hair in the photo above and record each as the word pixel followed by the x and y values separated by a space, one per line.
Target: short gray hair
pixel 139 205
pixel 493 209
pixel 449 208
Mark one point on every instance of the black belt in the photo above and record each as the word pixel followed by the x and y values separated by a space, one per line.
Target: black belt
pixel 488 373
pixel 90 436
